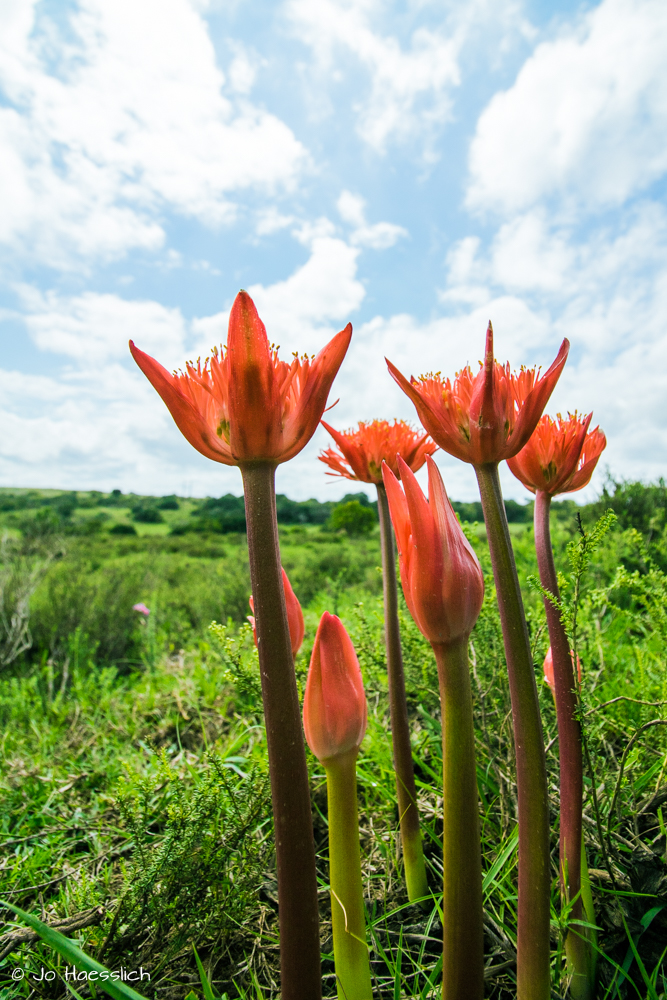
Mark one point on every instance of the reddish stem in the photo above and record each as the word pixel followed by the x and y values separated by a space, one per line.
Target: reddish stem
pixel 413 855
pixel 569 729
pixel 577 946
pixel 295 850
pixel 533 910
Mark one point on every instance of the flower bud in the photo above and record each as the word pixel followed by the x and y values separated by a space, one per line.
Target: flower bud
pixel 294 616
pixel 549 669
pixel 334 706
pixel 441 576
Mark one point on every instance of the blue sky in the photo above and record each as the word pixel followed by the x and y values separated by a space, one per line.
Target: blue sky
pixel 415 168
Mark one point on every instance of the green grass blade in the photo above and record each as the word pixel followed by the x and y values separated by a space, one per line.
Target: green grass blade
pixel 69 951
pixel 209 993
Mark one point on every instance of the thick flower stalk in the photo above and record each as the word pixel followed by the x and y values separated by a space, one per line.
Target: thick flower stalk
pixel 334 719
pixel 297 628
pixel 245 407
pixel 444 589
pixel 483 419
pixel 560 458
pixel 359 456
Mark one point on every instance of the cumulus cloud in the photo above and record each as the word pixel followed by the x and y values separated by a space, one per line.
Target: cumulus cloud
pixel 586 119
pixel 379 236
pixel 300 311
pixel 100 131
pixel 94 328
pixel 410 86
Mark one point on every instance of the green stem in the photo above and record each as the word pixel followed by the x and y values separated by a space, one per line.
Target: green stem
pixel 353 973
pixel 406 793
pixel 533 969
pixel 301 977
pixel 462 922
pixel 577 948
pixel 581 942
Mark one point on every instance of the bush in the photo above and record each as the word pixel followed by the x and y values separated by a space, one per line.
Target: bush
pixel 168 503
pixel 123 529
pixel 147 514
pixel 353 518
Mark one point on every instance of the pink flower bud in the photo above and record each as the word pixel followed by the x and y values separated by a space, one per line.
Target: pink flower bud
pixel 294 616
pixel 441 576
pixel 142 609
pixel 549 669
pixel 334 706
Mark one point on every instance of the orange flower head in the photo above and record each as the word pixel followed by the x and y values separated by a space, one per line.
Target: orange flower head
pixel 362 452
pixel 486 417
pixel 334 705
pixel 294 616
pixel 549 669
pixel 244 405
pixel 441 576
pixel 560 456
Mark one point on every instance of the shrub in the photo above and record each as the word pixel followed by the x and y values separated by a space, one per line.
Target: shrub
pixel 147 513
pixel 353 518
pixel 123 529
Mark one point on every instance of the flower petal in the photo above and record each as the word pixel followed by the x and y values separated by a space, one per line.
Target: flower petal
pixel 187 417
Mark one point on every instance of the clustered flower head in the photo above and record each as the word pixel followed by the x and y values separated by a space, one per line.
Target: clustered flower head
pixel 244 405
pixel 561 455
pixel 361 452
pixel 441 576
pixel 486 417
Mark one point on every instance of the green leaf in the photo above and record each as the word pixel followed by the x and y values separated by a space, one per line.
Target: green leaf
pixel 209 993
pixel 69 951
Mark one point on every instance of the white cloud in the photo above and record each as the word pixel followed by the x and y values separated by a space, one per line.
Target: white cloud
pixel 379 236
pixel 95 328
pixel 586 119
pixel 300 312
pixel 410 86
pixel 94 150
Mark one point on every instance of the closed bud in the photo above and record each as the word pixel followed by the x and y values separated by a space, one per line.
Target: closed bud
pixel 441 576
pixel 294 616
pixel 334 705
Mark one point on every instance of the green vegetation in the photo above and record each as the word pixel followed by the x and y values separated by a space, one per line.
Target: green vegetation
pixel 134 812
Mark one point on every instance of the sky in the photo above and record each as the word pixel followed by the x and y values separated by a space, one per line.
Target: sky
pixel 415 168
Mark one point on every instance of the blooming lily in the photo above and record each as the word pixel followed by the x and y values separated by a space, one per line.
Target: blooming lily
pixel 360 456
pixel 244 404
pixel 560 458
pixel 561 455
pixel 486 417
pixel 483 419
pixel 362 451
pixel 245 407
pixel 294 616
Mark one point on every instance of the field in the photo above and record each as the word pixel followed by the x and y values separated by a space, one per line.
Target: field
pixel 135 808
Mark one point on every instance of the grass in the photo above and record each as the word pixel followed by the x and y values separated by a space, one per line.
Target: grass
pixel 134 781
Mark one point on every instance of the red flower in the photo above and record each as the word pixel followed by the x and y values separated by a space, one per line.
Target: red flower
pixel 441 576
pixel 244 405
pixel 486 417
pixel 549 669
pixel 294 616
pixel 560 456
pixel 363 451
pixel 334 705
